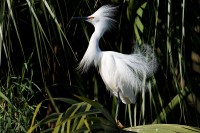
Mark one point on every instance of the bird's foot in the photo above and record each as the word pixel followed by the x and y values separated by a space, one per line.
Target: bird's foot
pixel 119 124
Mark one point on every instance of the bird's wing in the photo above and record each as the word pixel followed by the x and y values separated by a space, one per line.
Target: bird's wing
pixel 120 73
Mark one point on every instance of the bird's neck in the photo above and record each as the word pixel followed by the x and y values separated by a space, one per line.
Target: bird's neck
pixel 93 52
pixel 93 49
pixel 94 43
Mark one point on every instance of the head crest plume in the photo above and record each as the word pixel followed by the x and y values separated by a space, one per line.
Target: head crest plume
pixel 106 11
pixel 105 16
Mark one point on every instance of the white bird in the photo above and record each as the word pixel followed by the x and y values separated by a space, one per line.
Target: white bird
pixel 123 74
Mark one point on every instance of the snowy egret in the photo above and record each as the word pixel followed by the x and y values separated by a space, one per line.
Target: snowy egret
pixel 123 74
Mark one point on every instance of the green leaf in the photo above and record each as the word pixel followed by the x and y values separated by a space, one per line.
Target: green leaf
pixel 33 119
pixel 82 120
pixel 140 10
pixel 163 128
pixel 57 126
pixel 139 24
pixel 139 41
pixel 100 107
pixel 5 98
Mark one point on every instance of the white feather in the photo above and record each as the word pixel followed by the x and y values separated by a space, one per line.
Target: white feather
pixel 121 73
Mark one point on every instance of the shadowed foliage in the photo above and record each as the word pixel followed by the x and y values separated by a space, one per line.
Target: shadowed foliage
pixel 41 46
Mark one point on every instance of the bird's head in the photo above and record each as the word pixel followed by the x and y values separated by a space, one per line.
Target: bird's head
pixel 102 19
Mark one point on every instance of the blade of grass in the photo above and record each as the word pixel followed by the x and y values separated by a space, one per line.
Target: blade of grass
pixel 171 105
pixel 61 33
pixel 2 15
pixel 34 116
pixel 9 2
pixel 6 98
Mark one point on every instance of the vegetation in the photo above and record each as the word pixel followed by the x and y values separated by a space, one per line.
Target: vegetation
pixel 40 47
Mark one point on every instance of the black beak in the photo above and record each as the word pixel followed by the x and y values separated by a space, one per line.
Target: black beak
pixel 81 18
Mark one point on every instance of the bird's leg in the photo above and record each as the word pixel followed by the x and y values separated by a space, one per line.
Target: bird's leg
pixel 118 106
pixel 117 112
